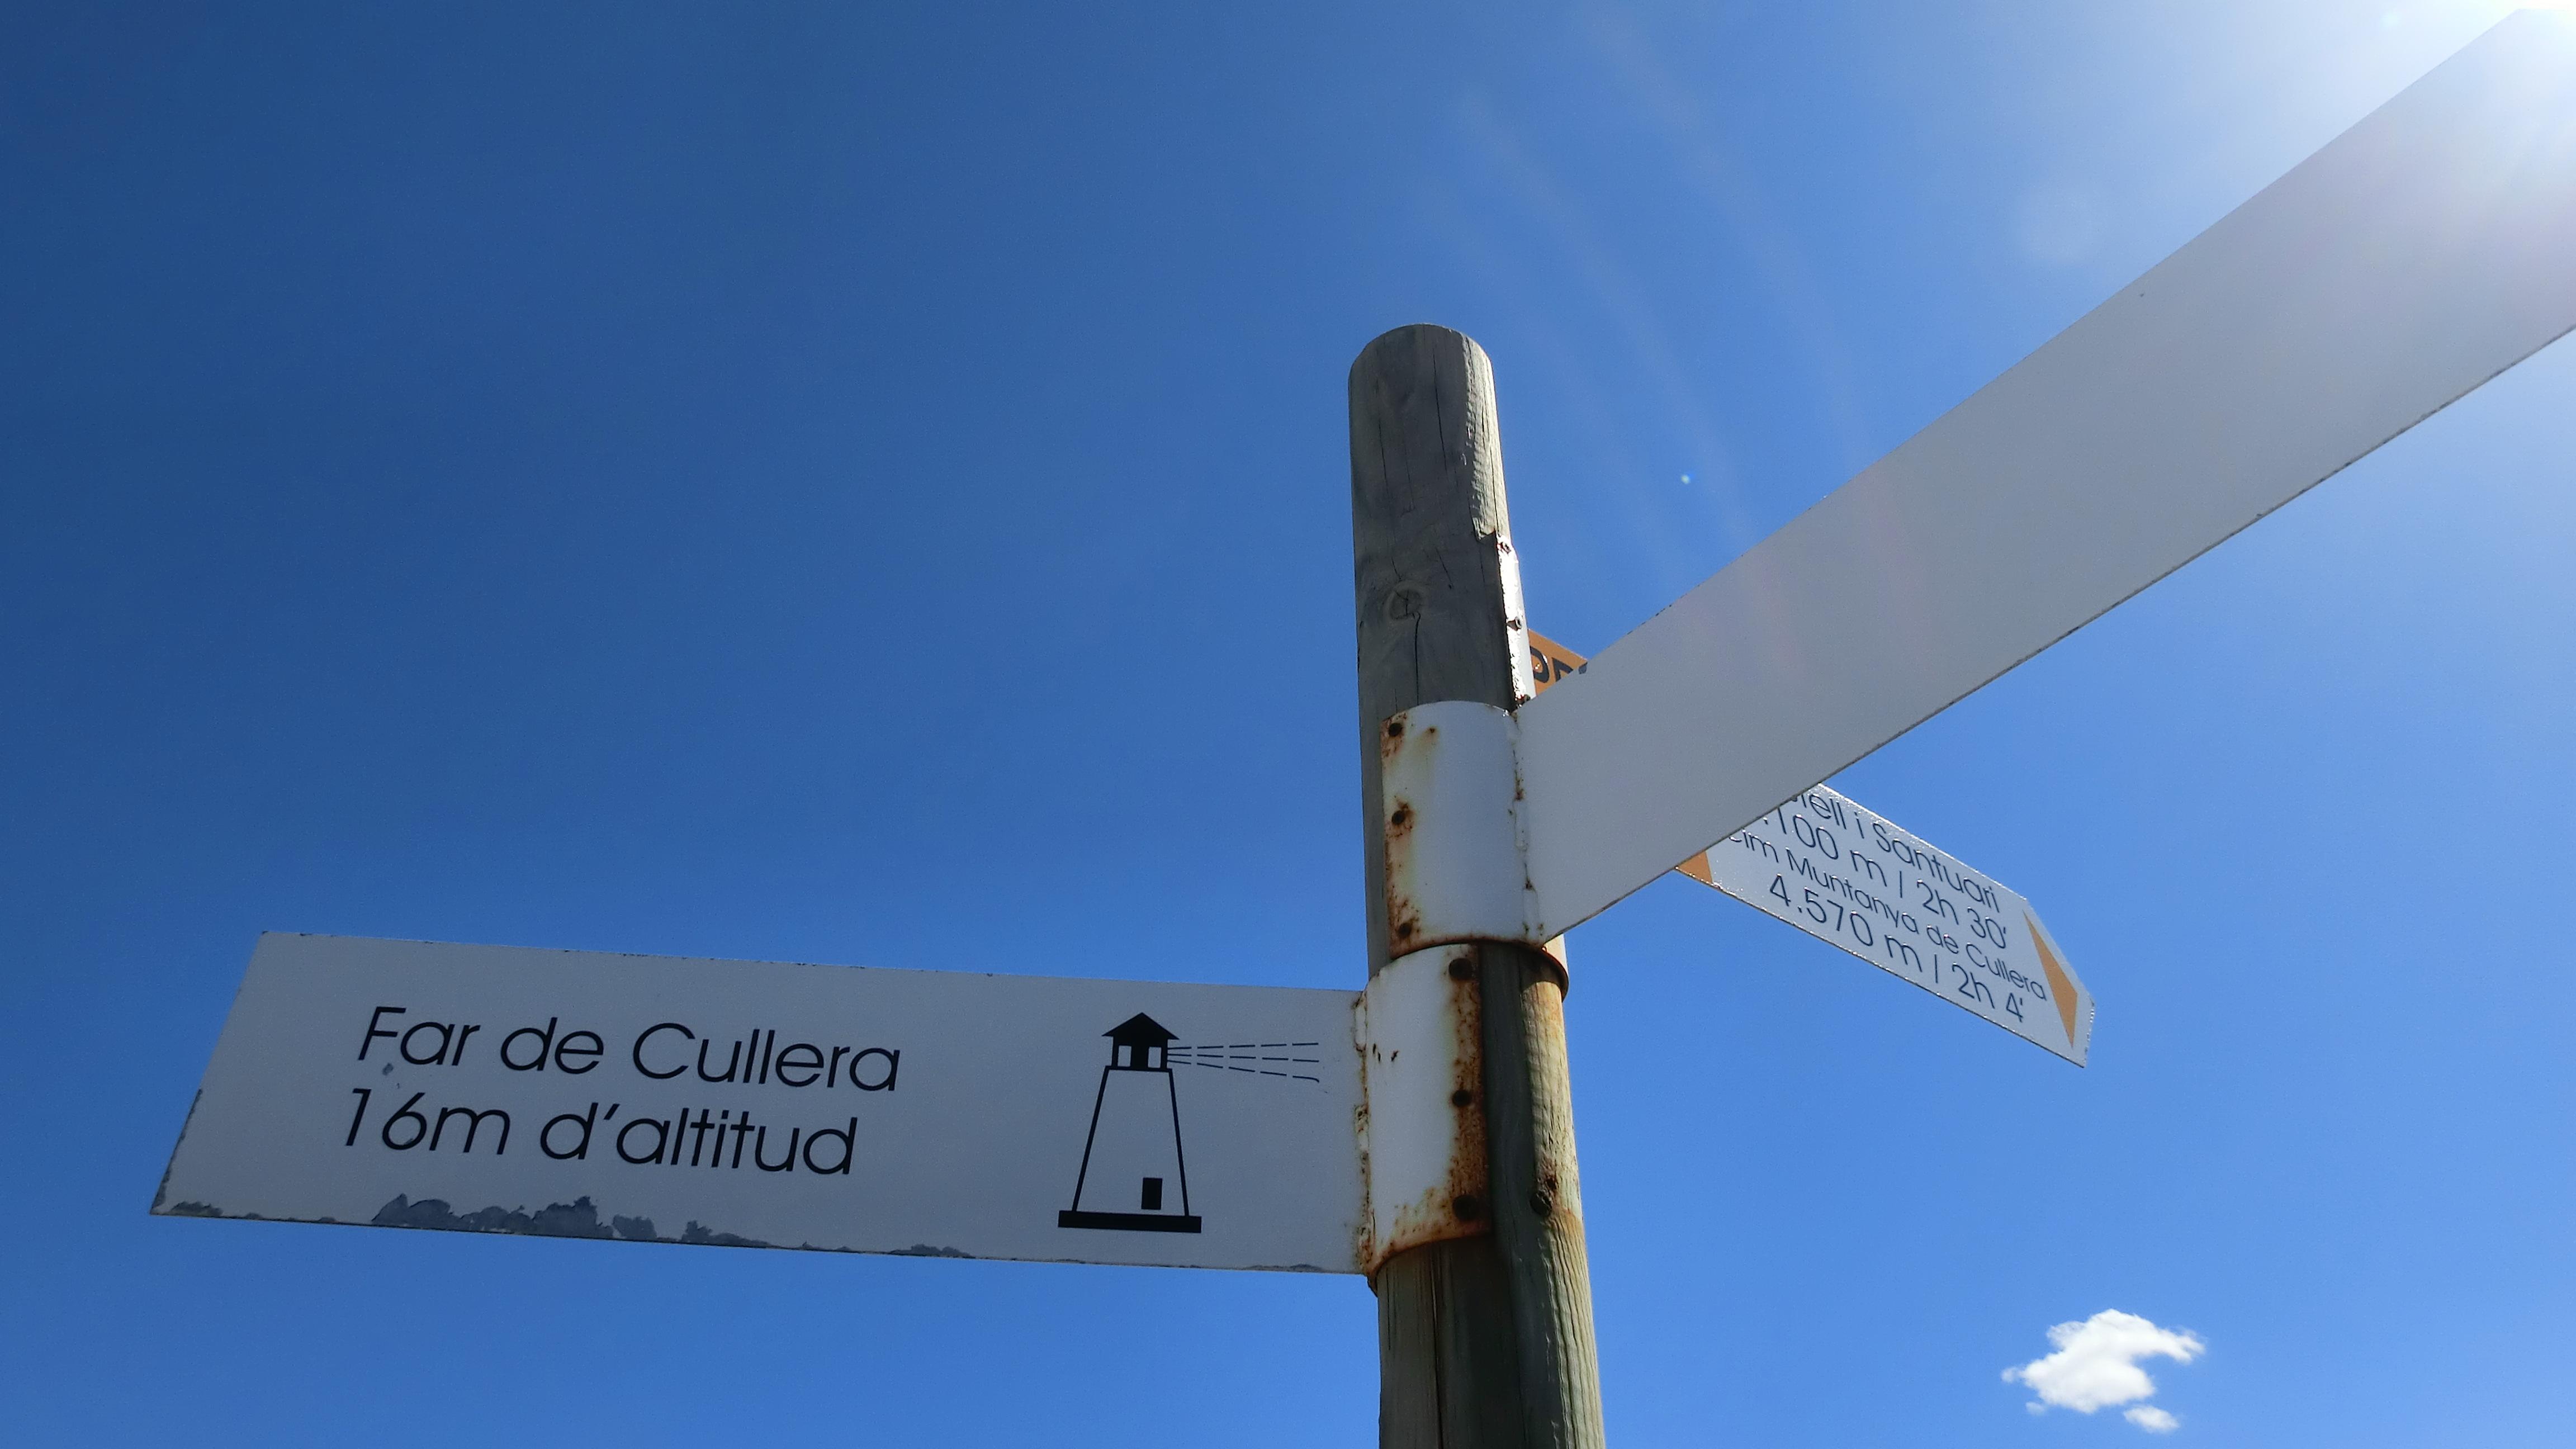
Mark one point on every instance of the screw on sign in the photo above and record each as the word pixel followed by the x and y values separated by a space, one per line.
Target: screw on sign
pixel 1520 790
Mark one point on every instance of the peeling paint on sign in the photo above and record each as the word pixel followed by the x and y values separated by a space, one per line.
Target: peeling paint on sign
pixel 573 1094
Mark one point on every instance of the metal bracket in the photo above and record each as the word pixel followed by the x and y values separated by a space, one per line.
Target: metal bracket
pixel 1422 1065
pixel 1449 810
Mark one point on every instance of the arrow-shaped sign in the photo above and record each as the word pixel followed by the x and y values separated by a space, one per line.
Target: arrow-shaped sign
pixel 1854 879
pixel 760 1104
pixel 768 1104
pixel 1850 877
pixel 2419 254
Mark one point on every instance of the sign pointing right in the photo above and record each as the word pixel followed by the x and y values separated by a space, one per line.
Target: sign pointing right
pixel 1855 879
pixel 1852 878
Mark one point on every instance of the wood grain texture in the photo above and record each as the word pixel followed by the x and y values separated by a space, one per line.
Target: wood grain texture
pixel 1535 1197
pixel 1438 586
pixel 1483 1342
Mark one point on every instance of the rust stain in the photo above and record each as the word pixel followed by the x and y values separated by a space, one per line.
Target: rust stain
pixel 1403 913
pixel 1403 916
pixel 1365 1226
pixel 1454 1206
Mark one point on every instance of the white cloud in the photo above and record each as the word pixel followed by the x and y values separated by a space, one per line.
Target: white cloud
pixel 2095 1366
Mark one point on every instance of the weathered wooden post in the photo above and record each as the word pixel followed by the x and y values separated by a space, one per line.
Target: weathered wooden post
pixel 1484 1335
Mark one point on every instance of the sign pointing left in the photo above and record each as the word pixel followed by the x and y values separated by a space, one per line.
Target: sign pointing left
pixel 758 1104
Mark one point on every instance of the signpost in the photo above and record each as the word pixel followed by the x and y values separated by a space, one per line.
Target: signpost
pixel 1421 1131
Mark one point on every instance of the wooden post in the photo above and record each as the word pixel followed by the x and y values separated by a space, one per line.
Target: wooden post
pixel 1485 1341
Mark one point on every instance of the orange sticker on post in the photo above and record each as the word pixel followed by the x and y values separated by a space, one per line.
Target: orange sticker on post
pixel 1550 661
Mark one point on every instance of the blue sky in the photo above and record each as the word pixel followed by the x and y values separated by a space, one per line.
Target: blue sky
pixel 827 484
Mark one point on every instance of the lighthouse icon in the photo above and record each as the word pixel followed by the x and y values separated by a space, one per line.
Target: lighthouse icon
pixel 1131 1177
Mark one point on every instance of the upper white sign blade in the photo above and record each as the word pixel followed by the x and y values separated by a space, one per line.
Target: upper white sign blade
pixel 1854 879
pixel 2422 252
pixel 760 1104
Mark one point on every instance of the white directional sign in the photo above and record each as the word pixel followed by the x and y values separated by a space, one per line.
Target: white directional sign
pixel 755 1104
pixel 1850 877
pixel 2419 254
